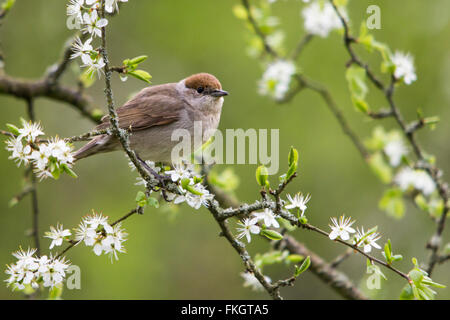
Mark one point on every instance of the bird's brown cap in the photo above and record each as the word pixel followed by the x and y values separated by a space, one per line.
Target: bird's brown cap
pixel 203 80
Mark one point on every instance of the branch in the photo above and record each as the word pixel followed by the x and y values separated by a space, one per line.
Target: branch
pixel 301 45
pixel 74 243
pixel 26 89
pixel 304 82
pixel 336 279
pixel 258 31
pixel 409 131
pixel 33 190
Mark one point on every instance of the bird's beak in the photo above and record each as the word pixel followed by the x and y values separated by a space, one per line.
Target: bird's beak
pixel 219 93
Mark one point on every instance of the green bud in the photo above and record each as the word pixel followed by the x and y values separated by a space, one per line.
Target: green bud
pixel 141 75
pixel 13 129
pixel 262 176
pixel 305 265
pixel 271 234
pixel 138 59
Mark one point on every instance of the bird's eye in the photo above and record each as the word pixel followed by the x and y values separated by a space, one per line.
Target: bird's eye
pixel 200 89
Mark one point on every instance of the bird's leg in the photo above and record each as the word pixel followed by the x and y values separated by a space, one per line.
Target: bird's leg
pixel 157 176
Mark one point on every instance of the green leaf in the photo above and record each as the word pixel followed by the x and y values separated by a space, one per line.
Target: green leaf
pixel 270 257
pixel 153 202
pixel 365 38
pixel 356 78
pixel 380 167
pixel 87 78
pixel 416 276
pixel 392 203
pixel 294 258
pixel 262 176
pixel 13 129
pixel 240 12
pixel 407 293
pixel 141 199
pixel 378 139
pixel 360 104
pixel 388 252
pixel 291 171
pixel 55 293
pixel 97 114
pixel 227 180
pixel 8 4
pixel 271 234
pixel 340 3
pixel 446 249
pixel 138 59
pixel 141 75
pixel 13 202
pixel 186 184
pixel 305 265
pixel 293 157
pixel 69 171
pixel 433 284
pixel 56 172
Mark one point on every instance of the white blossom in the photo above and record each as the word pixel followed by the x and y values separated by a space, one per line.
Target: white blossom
pixel 54 273
pixel 82 50
pixel 299 201
pixel 96 65
pixel 113 241
pixel 75 8
pixel 417 179
pixel 277 78
pixel 95 220
pixel 93 23
pixel 32 270
pixel 86 233
pixel 20 153
pixel 395 150
pixel 111 5
pixel 30 131
pixel 341 228
pixel 194 200
pixel 247 228
pixel 252 282
pixel 57 235
pixel 41 158
pixel 367 241
pixel 97 233
pixel 267 216
pixel 321 19
pixel 61 150
pixel 180 171
pixel 404 67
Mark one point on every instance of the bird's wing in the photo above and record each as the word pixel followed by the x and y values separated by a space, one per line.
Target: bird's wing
pixel 153 106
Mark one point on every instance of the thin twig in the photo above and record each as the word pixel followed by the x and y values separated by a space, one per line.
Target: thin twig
pixel 341 258
pixel 34 197
pixel 301 45
pixel 257 30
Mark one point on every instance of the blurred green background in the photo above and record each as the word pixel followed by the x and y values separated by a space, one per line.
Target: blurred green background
pixel 183 257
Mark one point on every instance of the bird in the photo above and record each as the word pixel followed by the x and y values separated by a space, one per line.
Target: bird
pixel 155 112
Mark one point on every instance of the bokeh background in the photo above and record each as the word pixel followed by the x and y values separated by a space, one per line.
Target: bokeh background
pixel 181 256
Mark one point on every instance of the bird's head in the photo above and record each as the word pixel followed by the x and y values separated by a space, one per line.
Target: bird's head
pixel 204 84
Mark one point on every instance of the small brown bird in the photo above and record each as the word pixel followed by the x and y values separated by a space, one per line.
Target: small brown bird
pixel 155 112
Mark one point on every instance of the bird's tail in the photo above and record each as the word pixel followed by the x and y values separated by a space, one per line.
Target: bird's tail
pixel 86 150
pixel 97 145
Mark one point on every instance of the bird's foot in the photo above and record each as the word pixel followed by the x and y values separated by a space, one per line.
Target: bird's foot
pixel 161 178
